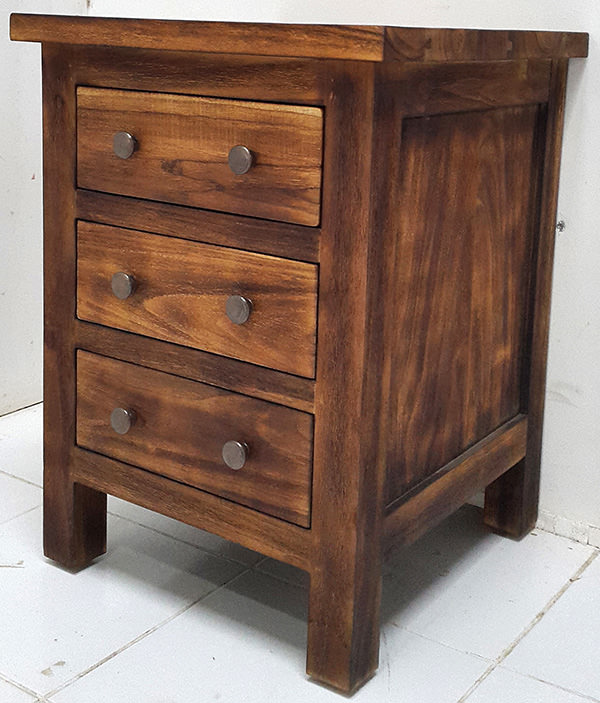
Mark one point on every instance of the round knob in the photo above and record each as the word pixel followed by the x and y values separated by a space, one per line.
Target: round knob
pixel 124 144
pixel 122 284
pixel 235 454
pixel 240 160
pixel 238 309
pixel 121 420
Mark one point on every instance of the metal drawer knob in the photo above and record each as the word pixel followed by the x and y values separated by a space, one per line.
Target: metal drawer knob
pixel 121 420
pixel 240 159
pixel 124 144
pixel 235 454
pixel 122 284
pixel 238 309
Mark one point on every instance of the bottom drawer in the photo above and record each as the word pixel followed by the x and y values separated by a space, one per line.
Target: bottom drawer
pixel 179 428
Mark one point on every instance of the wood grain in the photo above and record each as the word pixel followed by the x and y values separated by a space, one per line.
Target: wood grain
pixel 462 276
pixel 425 89
pixel 181 428
pixel 182 288
pixel 449 488
pixel 276 238
pixel 183 145
pixel 358 43
pixel 428 235
pixel 255 78
pixel 74 515
pixel 511 502
pixel 343 629
pixel 271 536
pixel 457 45
pixel 238 376
pixel 363 43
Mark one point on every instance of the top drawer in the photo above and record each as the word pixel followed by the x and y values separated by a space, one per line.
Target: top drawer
pixel 182 146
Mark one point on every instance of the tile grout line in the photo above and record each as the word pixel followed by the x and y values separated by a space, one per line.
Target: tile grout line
pixel 14 517
pixel 141 637
pixel 20 478
pixel 21 687
pixel 504 654
pixel 441 644
pixel 583 696
pixel 18 410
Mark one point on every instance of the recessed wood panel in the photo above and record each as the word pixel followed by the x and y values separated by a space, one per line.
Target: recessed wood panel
pixel 465 220
pixel 183 143
pixel 181 427
pixel 182 289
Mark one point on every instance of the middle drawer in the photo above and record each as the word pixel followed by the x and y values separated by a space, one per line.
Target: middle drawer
pixel 189 293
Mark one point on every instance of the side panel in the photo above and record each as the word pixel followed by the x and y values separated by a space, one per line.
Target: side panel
pixel 464 219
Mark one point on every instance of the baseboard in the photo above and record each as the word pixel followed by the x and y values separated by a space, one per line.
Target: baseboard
pixel 564 527
pixel 558 525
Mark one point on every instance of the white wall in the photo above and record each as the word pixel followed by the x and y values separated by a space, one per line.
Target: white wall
pixel 20 210
pixel 570 501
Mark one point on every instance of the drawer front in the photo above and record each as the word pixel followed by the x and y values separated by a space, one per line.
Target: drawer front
pixel 180 427
pixel 182 147
pixel 183 291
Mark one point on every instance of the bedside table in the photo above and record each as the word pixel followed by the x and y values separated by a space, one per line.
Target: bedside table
pixel 297 285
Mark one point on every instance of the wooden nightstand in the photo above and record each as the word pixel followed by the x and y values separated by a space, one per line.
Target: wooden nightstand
pixel 297 285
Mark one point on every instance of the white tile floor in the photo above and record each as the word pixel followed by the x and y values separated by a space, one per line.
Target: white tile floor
pixel 172 614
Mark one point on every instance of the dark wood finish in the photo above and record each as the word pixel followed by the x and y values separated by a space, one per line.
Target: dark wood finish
pixel 74 515
pixel 362 43
pixel 511 502
pixel 184 142
pixel 276 79
pixel 462 274
pixel 274 386
pixel 359 43
pixel 181 427
pixel 182 288
pixel 423 89
pixel 456 45
pixel 348 462
pixel 433 257
pixel 271 536
pixel 275 238
pixel 451 486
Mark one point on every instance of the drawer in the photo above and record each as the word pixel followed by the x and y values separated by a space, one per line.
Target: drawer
pixel 180 428
pixel 182 147
pixel 182 292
